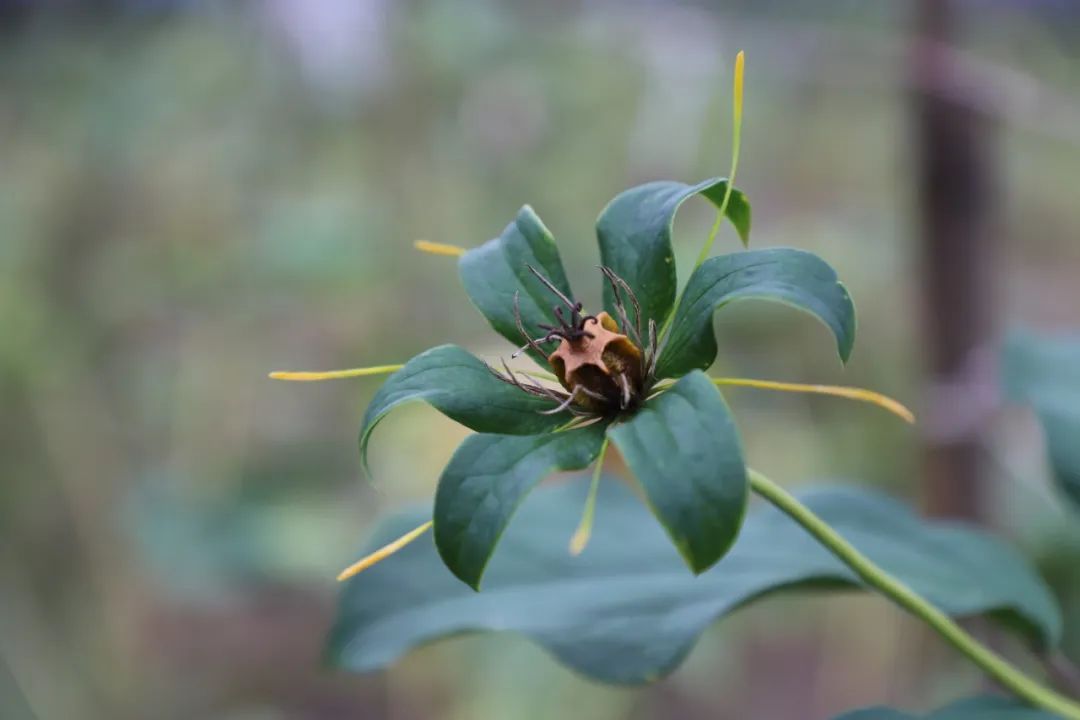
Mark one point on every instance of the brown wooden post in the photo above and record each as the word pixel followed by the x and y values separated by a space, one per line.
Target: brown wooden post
pixel 956 195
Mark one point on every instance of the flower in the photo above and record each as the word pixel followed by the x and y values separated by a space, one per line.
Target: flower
pixel 603 371
pixel 630 375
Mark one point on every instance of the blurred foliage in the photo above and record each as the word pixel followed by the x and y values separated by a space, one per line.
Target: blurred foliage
pixel 193 194
pixel 628 611
pixel 1045 373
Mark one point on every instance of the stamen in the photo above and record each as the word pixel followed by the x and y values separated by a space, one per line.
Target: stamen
pixel 548 284
pixel 509 377
pixel 564 404
pixel 547 338
pixel 664 336
pixel 530 343
pixel 851 393
pixel 384 552
pixel 617 283
pixel 652 352
pixel 591 393
pixel 625 401
pixel 584 530
pixel 582 421
pixel 439 248
pixel 557 395
pixel 536 389
pixel 563 400
pixel 616 297
pixel 307 376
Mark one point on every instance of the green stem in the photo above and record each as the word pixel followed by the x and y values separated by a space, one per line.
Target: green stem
pixel 720 214
pixel 875 577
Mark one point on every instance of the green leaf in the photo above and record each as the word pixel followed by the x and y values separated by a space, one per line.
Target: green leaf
pixel 876 713
pixel 793 277
pixel 1044 372
pixel 634 231
pixel 495 271
pixel 485 482
pixel 628 610
pixel 462 387
pixel 684 450
pixel 1061 424
pixel 982 708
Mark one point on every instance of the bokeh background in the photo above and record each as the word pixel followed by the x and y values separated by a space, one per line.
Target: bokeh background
pixel 194 193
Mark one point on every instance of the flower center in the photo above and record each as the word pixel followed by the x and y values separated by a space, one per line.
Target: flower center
pixel 600 363
pixel 600 366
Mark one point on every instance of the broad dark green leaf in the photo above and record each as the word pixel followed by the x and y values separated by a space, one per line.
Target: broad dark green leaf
pixel 793 277
pixel 684 450
pixel 1045 373
pixel 495 271
pixel 460 385
pixel 1061 424
pixel 982 708
pixel 634 231
pixel 485 482
pixel 628 610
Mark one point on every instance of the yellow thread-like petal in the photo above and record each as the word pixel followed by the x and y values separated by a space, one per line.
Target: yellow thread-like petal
pixel 736 125
pixel 737 87
pixel 438 248
pixel 384 552
pixel 584 529
pixel 736 142
pixel 852 393
pixel 306 376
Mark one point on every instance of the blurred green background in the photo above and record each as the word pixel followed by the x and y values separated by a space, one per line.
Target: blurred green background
pixel 193 194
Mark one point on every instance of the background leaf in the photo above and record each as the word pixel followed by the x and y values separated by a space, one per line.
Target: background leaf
pixel 493 272
pixel 684 450
pixel 628 610
pixel 461 386
pixel 1045 373
pixel 793 277
pixel 485 482
pixel 982 708
pixel 634 232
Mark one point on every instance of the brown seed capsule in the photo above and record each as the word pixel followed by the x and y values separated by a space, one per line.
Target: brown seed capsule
pixel 602 364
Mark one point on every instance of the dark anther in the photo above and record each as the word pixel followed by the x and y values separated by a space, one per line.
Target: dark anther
pixel 610 375
pixel 568 329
